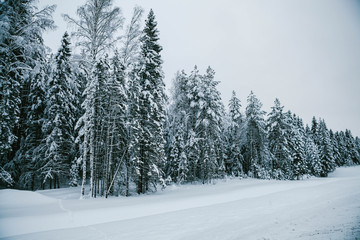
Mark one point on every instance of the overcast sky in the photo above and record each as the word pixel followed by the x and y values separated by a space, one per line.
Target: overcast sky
pixel 304 52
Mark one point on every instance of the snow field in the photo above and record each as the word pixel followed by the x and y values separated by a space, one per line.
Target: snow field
pixel 316 208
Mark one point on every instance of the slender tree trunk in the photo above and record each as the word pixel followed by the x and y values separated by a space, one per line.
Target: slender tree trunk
pixel 92 153
pixel 95 178
pixel 99 186
pixel 110 158
pixel 84 162
pixel 106 165
pixel 127 177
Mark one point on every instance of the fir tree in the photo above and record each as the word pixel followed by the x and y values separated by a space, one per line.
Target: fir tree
pixel 336 147
pixel 177 130
pixel 312 157
pixel 234 159
pixel 353 154
pixel 257 156
pixel 11 75
pixel 22 53
pixel 60 117
pixel 325 149
pixel 33 146
pixel 340 139
pixel 192 86
pixel 151 109
pixel 297 146
pixel 278 127
pixel 209 126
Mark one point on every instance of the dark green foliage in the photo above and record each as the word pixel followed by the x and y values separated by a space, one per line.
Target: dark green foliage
pixel 60 117
pixel 257 156
pixel 278 127
pixel 234 158
pixel 150 114
pixel 325 148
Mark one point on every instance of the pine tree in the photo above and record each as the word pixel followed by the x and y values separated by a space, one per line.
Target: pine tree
pixel 32 147
pixel 278 127
pixel 234 159
pixel 195 119
pixel 177 165
pixel 60 117
pixel 357 146
pixel 5 177
pixel 151 110
pixel 135 130
pixel 209 126
pixel 22 54
pixel 116 140
pixel 325 149
pixel 353 154
pixel 315 130
pixel 341 145
pixel 335 145
pixel 10 76
pixel 192 86
pixel 257 156
pixel 312 157
pixel 297 146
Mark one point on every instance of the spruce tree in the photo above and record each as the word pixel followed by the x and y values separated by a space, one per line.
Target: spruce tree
pixel 234 159
pixel 336 148
pixel 278 126
pixel 177 130
pixel 60 117
pixel 257 156
pixel 208 125
pixel 22 53
pixel 312 155
pixel 325 149
pixel 297 146
pixel 353 154
pixel 33 145
pixel 11 76
pixel 193 140
pixel 151 110
pixel 341 145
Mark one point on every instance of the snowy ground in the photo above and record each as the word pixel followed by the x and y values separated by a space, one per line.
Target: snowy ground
pixel 233 209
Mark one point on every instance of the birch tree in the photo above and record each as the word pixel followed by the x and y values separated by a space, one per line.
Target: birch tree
pixel 96 29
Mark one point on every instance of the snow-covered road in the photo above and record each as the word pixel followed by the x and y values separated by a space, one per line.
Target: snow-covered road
pixel 327 208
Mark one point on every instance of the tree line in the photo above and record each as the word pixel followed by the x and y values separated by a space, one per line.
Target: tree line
pixel 101 119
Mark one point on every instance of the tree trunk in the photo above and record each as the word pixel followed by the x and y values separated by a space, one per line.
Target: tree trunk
pixel 127 177
pixel 32 182
pixel 92 153
pixel 84 163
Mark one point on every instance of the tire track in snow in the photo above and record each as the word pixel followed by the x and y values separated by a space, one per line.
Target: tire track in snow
pixel 70 213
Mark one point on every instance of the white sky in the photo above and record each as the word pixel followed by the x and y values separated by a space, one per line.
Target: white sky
pixel 305 52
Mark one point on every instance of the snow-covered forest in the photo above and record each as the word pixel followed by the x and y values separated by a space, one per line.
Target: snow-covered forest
pixel 96 114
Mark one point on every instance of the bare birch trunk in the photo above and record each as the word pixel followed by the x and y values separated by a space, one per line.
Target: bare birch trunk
pixel 110 158
pixel 92 153
pixel 84 162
